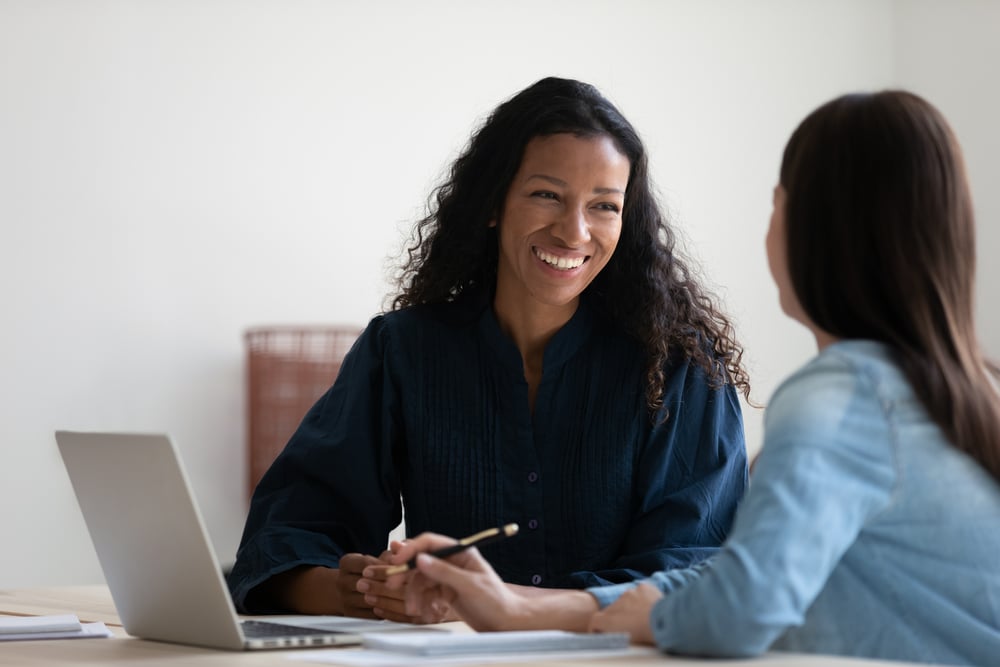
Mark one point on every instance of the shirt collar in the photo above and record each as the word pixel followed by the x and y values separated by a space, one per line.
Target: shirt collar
pixel 560 349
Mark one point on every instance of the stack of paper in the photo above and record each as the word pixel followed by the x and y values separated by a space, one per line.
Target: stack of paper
pixel 65 626
pixel 532 641
pixel 415 649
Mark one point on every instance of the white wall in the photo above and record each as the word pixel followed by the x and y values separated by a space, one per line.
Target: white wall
pixel 174 172
pixel 949 53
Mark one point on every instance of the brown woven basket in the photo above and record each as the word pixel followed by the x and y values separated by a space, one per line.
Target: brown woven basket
pixel 288 369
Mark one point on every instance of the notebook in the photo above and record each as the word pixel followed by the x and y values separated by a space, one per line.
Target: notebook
pixel 153 548
pixel 428 644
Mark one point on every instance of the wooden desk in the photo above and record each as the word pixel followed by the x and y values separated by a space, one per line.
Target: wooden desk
pixel 90 603
pixel 93 603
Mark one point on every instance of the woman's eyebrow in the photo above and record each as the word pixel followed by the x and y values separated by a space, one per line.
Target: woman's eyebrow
pixel 562 183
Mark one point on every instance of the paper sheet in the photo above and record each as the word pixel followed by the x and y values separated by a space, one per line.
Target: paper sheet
pixel 371 658
pixel 63 626
pixel 489 643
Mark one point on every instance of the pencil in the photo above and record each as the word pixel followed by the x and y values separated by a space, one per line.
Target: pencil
pixel 480 538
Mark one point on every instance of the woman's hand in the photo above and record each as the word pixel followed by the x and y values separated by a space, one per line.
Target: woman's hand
pixel 389 602
pixel 352 600
pixel 465 582
pixel 629 613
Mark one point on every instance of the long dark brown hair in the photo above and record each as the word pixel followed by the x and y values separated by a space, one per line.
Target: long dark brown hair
pixel 646 287
pixel 881 245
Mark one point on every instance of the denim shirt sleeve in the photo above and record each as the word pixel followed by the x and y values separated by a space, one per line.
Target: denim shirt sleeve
pixel 824 471
pixel 693 475
pixel 339 465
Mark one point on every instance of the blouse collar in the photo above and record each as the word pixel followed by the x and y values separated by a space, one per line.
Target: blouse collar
pixel 560 348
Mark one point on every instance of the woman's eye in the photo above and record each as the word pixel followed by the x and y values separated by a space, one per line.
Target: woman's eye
pixel 544 194
pixel 608 206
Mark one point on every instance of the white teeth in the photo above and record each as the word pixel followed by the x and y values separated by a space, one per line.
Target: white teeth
pixel 563 263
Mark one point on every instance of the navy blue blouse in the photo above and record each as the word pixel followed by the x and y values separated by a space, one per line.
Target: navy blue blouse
pixel 431 404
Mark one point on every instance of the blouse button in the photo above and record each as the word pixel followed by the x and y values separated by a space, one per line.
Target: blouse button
pixel 533 524
pixel 532 477
pixel 536 579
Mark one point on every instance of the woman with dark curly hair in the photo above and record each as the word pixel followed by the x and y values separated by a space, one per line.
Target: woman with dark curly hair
pixel 549 360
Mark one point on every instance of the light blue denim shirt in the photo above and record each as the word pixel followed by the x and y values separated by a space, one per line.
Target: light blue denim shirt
pixel 864 533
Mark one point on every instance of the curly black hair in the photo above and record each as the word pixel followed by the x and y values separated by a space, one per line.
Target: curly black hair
pixel 646 287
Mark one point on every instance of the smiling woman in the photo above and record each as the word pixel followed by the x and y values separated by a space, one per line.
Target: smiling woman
pixel 561 221
pixel 548 361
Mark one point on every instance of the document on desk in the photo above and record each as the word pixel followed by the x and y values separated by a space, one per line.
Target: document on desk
pixel 419 648
pixel 479 643
pixel 63 626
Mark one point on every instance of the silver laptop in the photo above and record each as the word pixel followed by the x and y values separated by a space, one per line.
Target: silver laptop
pixel 151 542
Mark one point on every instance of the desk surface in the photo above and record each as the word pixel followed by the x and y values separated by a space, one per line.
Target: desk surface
pixel 93 603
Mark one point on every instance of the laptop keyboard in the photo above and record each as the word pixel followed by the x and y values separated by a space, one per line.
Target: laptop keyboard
pixel 265 630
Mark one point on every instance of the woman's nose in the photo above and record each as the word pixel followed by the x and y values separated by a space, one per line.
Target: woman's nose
pixel 572 227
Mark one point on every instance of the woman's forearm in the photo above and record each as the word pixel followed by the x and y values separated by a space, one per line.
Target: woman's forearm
pixel 552 609
pixel 304 590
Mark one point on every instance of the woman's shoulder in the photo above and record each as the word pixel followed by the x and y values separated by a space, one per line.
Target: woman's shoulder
pixel 683 366
pixel 435 319
pixel 854 366
pixel 848 383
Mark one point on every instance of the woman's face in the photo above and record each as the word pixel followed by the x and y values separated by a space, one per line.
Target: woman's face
pixel 777 260
pixel 777 244
pixel 777 254
pixel 561 220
